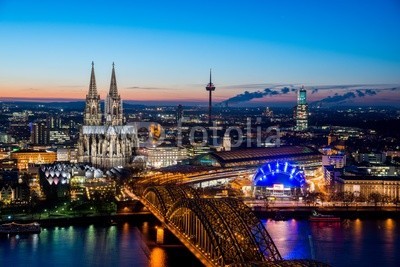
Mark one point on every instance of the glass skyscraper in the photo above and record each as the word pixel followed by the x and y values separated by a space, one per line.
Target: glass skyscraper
pixel 301 110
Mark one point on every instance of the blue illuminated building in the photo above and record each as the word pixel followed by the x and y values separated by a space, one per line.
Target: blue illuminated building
pixel 279 179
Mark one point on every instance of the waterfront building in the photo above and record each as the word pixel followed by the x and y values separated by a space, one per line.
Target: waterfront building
pixel 365 185
pixel 106 143
pixel 164 155
pixel 279 179
pixel 26 157
pixel 13 189
pixel 76 181
pixel 100 189
pixel 331 175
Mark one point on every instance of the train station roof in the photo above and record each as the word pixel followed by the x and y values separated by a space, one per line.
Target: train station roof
pixel 253 156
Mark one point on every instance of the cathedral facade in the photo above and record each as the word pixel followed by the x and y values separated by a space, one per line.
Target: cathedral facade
pixel 105 141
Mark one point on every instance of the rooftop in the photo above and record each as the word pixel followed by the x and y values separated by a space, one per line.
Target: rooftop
pixel 370 178
pixel 263 153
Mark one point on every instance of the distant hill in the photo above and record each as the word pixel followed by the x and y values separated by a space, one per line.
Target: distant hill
pixel 72 105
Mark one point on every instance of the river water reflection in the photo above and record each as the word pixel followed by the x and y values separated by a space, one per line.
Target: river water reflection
pixel 349 243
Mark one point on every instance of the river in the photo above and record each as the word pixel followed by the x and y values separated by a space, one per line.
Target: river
pixel 349 243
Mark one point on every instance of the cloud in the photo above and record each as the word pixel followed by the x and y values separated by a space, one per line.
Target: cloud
pixel 360 93
pixel 367 92
pixel 269 92
pixel 336 98
pixel 285 90
pixel 247 96
pixel 370 92
pixel 256 86
pixel 353 87
pixel 345 92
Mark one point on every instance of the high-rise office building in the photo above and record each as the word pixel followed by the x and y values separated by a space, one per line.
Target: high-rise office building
pixel 20 128
pixel 301 110
pixel 53 122
pixel 39 133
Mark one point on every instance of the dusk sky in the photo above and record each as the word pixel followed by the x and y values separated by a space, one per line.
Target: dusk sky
pixel 163 50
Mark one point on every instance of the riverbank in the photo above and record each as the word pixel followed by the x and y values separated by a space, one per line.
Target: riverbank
pixel 351 213
pixel 276 212
pixel 87 220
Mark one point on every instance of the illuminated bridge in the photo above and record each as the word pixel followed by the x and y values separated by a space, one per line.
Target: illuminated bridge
pixel 219 232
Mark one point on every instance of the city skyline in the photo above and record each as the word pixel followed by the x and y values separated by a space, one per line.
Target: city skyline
pixel 163 52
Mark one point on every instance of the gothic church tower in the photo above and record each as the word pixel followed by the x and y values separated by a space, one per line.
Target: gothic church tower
pixel 92 114
pixel 108 143
pixel 113 105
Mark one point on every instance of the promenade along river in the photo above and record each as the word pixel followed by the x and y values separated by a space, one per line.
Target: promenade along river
pixel 348 243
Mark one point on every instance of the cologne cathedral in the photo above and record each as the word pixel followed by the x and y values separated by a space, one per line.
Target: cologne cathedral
pixel 105 141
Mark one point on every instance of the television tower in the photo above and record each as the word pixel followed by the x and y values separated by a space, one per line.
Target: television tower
pixel 210 87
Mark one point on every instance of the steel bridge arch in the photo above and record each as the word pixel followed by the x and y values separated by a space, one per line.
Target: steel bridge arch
pixel 192 218
pixel 254 229
pixel 231 238
pixel 163 197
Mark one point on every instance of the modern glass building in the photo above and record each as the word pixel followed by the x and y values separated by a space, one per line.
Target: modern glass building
pixel 301 110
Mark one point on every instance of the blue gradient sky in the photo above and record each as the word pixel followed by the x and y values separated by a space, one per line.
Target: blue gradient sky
pixel 163 49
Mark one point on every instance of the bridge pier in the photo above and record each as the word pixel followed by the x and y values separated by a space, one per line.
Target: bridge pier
pixel 160 236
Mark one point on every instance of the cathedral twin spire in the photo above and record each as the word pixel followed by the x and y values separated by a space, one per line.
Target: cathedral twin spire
pixel 113 104
pixel 113 84
pixel 92 85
